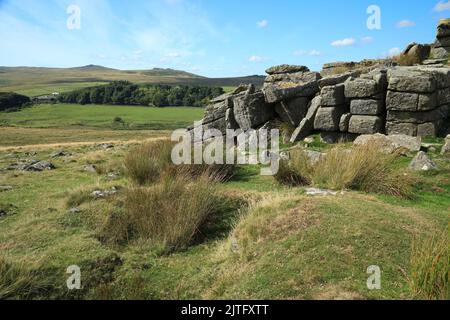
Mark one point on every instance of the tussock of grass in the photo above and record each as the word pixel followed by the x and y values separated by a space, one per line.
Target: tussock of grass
pixel 406 60
pixel 16 282
pixel 169 213
pixel 145 163
pixel 296 171
pixel 364 168
pixel 429 276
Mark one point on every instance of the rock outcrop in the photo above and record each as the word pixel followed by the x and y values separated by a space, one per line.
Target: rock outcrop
pixel 441 47
pixel 346 99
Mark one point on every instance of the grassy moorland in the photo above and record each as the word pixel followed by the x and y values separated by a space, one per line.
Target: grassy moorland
pixel 255 237
pixel 101 116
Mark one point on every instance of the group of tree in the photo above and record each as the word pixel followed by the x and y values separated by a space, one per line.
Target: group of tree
pixel 126 93
pixel 10 101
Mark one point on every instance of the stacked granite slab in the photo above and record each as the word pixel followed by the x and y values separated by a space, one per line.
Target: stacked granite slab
pixel 290 89
pixel 418 100
pixel 441 47
pixel 367 103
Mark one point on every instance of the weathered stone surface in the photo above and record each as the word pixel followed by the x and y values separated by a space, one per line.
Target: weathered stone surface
pixel 443 96
pixel 230 121
pixel 365 124
pixel 404 101
pixel 443 29
pixel 361 88
pixel 344 122
pixel 327 118
pixel 418 117
pixel 335 79
pixel 292 111
pixel 422 162
pixel 442 42
pixel 446 147
pixel 285 68
pixel 5 188
pixel 390 144
pixel 284 90
pixel 369 107
pixel 314 156
pixel 217 110
pixel 314 192
pixel 218 124
pixel 411 80
pixel 430 129
pixel 251 111
pixel 420 52
pixel 333 95
pixel 39 166
pixel 409 129
pixel 307 124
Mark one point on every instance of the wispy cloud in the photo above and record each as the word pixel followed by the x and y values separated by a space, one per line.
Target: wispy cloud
pixel 405 24
pixel 344 42
pixel 311 53
pixel 256 59
pixel 262 24
pixel 392 52
pixel 367 40
pixel 442 6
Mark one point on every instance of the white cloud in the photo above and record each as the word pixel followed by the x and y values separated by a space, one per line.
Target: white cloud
pixel 366 40
pixel 256 59
pixel 263 23
pixel 344 42
pixel 405 24
pixel 442 6
pixel 393 52
pixel 312 53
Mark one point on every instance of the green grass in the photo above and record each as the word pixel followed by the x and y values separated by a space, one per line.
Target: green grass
pixel 285 246
pixel 39 90
pixel 101 116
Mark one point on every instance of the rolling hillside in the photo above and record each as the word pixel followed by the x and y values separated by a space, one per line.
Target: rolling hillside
pixel 33 81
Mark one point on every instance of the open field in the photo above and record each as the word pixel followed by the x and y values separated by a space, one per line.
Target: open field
pixel 274 242
pixel 38 90
pixel 101 116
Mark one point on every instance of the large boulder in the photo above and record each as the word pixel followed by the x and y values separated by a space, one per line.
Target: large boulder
pixel 251 110
pixel 419 52
pixel 407 101
pixel 307 124
pixel 422 162
pixel 333 95
pixel 446 147
pixel 405 79
pixel 390 144
pixel 284 86
pixel 328 118
pixel 285 68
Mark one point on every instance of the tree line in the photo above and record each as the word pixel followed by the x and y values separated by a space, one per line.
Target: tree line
pixel 10 101
pixel 127 93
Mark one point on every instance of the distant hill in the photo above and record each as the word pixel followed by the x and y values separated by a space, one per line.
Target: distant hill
pixel 36 80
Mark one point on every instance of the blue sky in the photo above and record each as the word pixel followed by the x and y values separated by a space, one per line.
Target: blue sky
pixel 210 37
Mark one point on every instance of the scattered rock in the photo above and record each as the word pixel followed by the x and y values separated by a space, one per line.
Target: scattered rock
pixel 39 166
pixel 320 192
pixel 7 209
pixel 285 68
pixel 106 146
pixel 5 188
pixel 100 194
pixel 422 162
pixel 309 140
pixel 60 153
pixel 90 168
pixel 314 156
pixel 74 210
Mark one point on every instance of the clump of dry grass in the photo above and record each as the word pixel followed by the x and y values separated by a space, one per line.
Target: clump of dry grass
pixel 295 172
pixel 430 268
pixel 406 60
pixel 145 163
pixel 364 168
pixel 148 163
pixel 17 282
pixel 168 214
